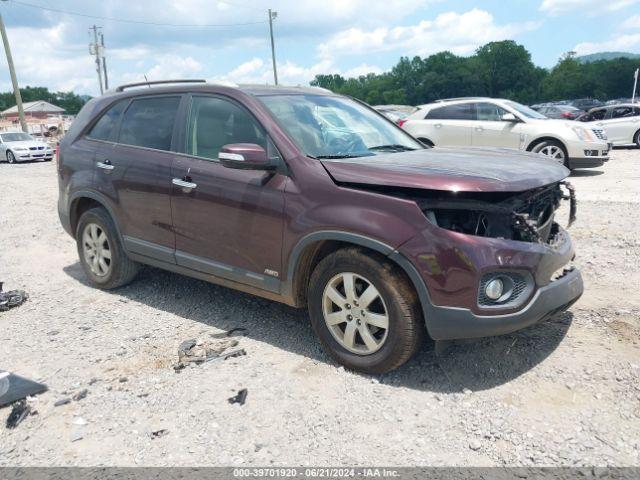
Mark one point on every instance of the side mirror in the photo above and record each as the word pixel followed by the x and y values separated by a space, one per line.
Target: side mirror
pixel 509 117
pixel 245 156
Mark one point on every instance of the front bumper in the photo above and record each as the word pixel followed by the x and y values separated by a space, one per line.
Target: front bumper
pixel 449 323
pixel 587 154
pixel 33 155
pixel 448 267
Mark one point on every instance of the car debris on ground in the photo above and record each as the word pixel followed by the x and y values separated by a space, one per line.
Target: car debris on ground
pixel 11 299
pixel 159 433
pixel 198 351
pixel 21 410
pixel 240 398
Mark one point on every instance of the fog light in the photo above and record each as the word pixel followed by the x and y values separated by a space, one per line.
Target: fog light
pixel 494 289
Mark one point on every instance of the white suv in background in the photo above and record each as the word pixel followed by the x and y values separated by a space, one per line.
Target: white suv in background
pixel 621 122
pixel 491 122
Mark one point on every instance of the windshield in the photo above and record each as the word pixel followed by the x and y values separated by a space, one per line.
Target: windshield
pixel 335 127
pixel 15 137
pixel 524 111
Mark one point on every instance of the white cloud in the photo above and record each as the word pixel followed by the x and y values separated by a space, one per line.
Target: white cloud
pixel 460 33
pixel 617 43
pixel 557 7
pixel 631 23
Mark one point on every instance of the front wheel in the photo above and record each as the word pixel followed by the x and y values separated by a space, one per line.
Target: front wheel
pixel 552 149
pixel 103 259
pixel 11 158
pixel 364 311
pixel 636 139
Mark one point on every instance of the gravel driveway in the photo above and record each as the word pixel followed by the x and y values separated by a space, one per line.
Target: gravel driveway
pixel 565 392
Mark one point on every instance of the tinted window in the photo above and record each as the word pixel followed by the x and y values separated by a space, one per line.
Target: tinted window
pixel 148 122
pixel 104 128
pixel 214 122
pixel 620 112
pixel 489 112
pixel 598 114
pixel 451 112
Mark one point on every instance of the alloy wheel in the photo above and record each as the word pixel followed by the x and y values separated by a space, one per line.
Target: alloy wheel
pixel 355 313
pixel 552 151
pixel 11 157
pixel 96 249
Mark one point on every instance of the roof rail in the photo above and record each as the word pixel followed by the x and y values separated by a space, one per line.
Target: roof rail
pixel 462 98
pixel 121 88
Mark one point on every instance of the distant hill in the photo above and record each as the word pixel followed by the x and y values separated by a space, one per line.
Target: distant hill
pixel 606 56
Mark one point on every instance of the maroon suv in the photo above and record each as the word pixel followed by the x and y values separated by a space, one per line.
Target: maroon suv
pixel 315 199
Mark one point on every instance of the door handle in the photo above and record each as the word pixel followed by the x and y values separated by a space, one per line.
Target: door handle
pixel 184 183
pixel 106 165
pixel 437 125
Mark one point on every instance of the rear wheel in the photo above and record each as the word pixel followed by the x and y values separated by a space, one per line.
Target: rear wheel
pixel 364 311
pixel 552 149
pixel 636 138
pixel 103 259
pixel 11 158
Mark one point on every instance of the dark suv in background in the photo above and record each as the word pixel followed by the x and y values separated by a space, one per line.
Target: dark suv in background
pixel 317 200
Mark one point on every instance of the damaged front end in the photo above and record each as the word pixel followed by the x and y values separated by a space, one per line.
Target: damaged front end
pixel 526 216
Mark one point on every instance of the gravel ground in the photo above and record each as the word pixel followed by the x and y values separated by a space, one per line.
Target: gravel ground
pixel 564 392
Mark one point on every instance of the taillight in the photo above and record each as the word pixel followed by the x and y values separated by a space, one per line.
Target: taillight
pixel 401 122
pixel 567 115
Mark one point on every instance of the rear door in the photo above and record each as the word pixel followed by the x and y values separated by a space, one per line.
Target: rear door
pixel 451 125
pixel 230 223
pixel 135 173
pixel 489 130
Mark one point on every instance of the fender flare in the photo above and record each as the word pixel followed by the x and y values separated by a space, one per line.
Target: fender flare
pixel 353 238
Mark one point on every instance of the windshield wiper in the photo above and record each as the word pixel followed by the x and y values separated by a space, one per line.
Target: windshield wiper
pixel 340 155
pixel 392 147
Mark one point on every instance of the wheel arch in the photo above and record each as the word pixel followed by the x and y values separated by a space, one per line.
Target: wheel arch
pixel 82 201
pixel 311 249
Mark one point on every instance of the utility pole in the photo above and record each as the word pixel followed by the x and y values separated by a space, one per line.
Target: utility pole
pixel 272 17
pixel 635 85
pixel 14 78
pixel 94 49
pixel 104 62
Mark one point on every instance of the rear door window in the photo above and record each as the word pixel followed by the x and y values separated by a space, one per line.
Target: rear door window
pixel 148 122
pixel 104 129
pixel 460 111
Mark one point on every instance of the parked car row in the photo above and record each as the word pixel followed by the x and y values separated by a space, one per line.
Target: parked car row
pixel 21 147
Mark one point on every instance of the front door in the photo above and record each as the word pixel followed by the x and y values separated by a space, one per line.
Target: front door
pixel 229 222
pixel 489 130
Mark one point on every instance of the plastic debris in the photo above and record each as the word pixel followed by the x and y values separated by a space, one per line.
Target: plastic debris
pixel 159 433
pixel 19 412
pixel 198 351
pixel 240 398
pixel 14 388
pixel 11 299
pixel 62 401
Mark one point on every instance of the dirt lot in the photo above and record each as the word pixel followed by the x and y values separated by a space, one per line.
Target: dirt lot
pixel 565 392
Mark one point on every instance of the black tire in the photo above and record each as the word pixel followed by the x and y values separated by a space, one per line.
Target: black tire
pixel 636 138
pixel 552 143
pixel 406 326
pixel 11 158
pixel 122 270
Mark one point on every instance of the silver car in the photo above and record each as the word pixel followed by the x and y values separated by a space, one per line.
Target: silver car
pixel 20 147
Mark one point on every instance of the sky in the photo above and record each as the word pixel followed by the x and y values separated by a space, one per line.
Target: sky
pixel 228 40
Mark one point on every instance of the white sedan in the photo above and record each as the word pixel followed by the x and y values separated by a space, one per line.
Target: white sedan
pixel 20 147
pixel 621 122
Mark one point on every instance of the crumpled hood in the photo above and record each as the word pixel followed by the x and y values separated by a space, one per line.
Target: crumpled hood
pixel 449 169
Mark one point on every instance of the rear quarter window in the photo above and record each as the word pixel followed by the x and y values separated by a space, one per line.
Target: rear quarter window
pixel 148 122
pixel 104 128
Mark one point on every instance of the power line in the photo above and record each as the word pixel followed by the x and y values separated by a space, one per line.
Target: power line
pixel 139 22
